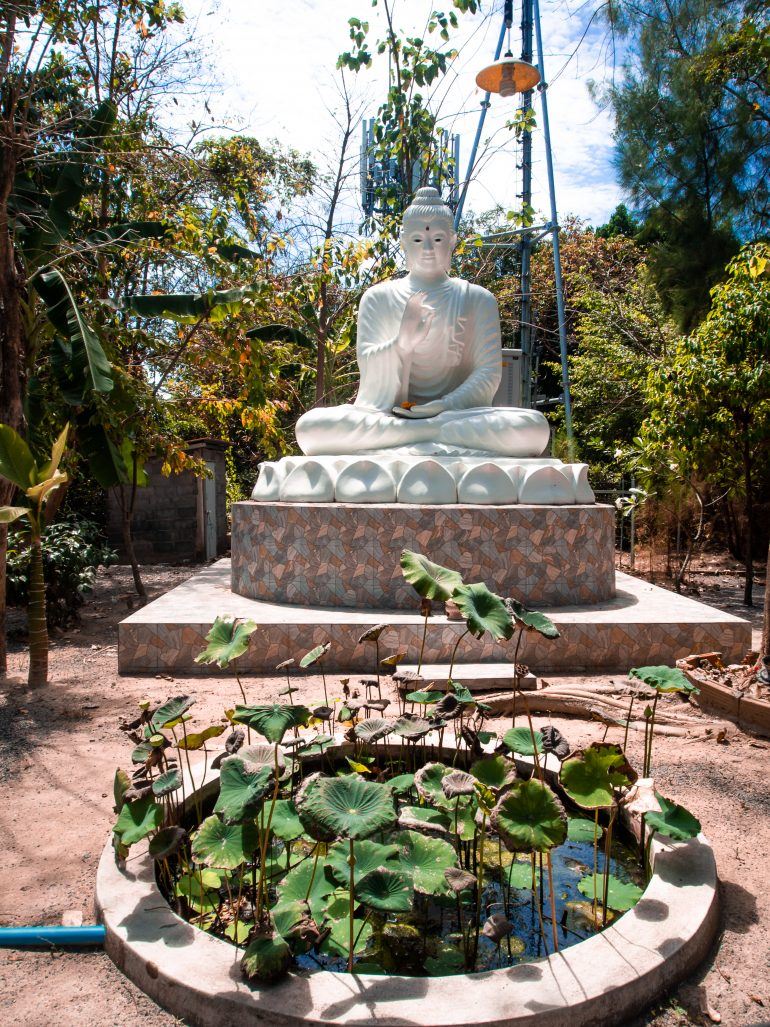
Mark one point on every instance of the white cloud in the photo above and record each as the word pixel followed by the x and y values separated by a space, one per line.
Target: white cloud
pixel 275 63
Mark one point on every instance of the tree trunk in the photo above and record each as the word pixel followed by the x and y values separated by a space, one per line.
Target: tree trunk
pixel 748 589
pixel 127 510
pixel 3 587
pixel 36 616
pixel 766 618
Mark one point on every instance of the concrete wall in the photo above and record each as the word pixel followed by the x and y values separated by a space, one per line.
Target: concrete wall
pixel 169 515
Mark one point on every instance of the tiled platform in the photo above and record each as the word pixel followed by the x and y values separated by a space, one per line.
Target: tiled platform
pixel 642 624
pixel 346 554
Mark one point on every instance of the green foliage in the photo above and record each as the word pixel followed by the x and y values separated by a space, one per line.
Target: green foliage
pixel 73 550
pixel 138 819
pixel 673 821
pixel 592 777
pixel 531 620
pixel 529 818
pixel 621 895
pixel 664 679
pixel 228 639
pixel 692 145
pixel 272 722
pixel 241 789
pixel 346 807
pixel 429 580
pixel 484 611
pixel 519 739
pixel 224 846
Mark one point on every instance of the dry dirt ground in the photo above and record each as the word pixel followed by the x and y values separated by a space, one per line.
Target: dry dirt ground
pixel 59 747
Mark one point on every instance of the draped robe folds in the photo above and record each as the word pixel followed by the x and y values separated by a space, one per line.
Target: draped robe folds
pixel 459 363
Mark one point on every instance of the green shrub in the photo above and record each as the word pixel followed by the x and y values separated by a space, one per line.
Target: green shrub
pixel 72 552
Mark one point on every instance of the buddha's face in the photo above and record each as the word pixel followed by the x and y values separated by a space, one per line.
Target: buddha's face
pixel 428 246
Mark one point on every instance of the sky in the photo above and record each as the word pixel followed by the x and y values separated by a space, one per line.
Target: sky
pixel 274 66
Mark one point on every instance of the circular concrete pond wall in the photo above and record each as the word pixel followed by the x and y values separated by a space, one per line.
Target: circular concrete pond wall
pixel 602 980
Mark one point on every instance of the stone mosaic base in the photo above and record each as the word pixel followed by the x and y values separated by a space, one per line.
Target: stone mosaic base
pixel 641 625
pixel 338 554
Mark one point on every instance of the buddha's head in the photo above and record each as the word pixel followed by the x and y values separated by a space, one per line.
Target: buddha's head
pixel 427 234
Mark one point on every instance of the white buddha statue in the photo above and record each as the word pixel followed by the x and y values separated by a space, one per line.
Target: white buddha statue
pixel 429 353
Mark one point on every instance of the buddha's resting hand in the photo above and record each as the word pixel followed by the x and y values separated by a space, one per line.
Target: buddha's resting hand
pixel 415 323
pixel 421 410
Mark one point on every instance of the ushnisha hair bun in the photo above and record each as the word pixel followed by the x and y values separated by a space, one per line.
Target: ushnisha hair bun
pixel 428 207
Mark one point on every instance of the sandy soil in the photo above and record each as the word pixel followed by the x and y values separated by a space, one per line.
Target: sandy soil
pixel 59 747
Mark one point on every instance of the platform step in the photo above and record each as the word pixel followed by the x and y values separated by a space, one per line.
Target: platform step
pixel 477 677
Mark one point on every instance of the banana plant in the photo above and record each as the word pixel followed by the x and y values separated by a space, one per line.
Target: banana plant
pixel 37 482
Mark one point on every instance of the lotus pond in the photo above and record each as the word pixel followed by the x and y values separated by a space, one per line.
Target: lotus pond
pixel 336 838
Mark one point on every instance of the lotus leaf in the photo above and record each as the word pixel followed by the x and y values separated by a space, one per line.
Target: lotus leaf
pixel 227 640
pixel 483 611
pixel 496 772
pixel 425 860
pixel 369 856
pixel 306 882
pixel 395 658
pixel 358 768
pixel 120 785
pixel 581 830
pixel 285 824
pixel 377 704
pixel 519 739
pixel 372 634
pixel 272 722
pixel 458 783
pixel 225 846
pixel 425 697
pixel 402 784
pixel 428 780
pixel 430 580
pixel 199 890
pixel 337 941
pixel 323 712
pixel 448 706
pixel 166 842
pixel 555 742
pixel 531 620
pixel 166 783
pixel 448 960
pixel 372 730
pixel 170 711
pixel 673 821
pixel 423 818
pixel 267 958
pixel 255 757
pixel 412 728
pixel 664 679
pixel 238 931
pixel 591 777
pixel 389 891
pixel 138 819
pixel 241 789
pixel 293 921
pixel 348 806
pixel 461 693
pixel 496 927
pixel 315 655
pixel 529 818
pixel 141 753
pixel 621 895
pixel 458 880
pixel 197 739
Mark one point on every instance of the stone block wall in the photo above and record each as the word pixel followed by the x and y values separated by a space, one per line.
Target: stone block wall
pixel 169 514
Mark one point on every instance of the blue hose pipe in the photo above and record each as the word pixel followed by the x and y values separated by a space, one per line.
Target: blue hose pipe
pixel 28 937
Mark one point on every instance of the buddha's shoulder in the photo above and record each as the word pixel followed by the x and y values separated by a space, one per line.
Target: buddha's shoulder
pixel 480 296
pixel 382 291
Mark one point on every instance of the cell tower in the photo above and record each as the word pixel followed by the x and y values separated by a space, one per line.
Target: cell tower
pixel 508 76
pixel 381 175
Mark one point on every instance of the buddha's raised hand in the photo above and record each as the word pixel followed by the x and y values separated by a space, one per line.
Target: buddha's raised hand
pixel 415 322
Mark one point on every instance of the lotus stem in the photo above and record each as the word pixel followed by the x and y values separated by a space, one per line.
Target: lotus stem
pixel 422 647
pixel 352 864
pixel 454 653
pixel 516 675
pixel 649 737
pixel 377 658
pixel 265 837
pixel 628 722
pixel 607 856
pixel 538 768
pixel 596 857
pixel 36 613
pixel 312 872
pixel 198 807
pixel 554 932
